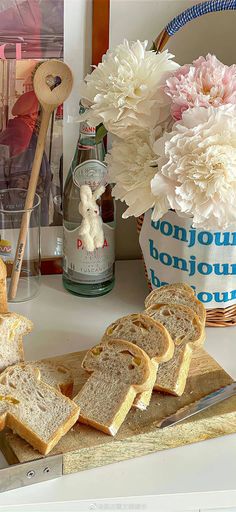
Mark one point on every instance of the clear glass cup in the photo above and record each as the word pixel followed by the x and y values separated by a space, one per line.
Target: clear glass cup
pixel 12 209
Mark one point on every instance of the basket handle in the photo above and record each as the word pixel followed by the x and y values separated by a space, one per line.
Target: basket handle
pixel 190 14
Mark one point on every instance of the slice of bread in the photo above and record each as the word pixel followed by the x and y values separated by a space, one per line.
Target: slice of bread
pixel 185 330
pixel 119 370
pixel 35 411
pixel 181 322
pixel 172 376
pixel 56 375
pixel 3 288
pixel 177 294
pixel 12 329
pixel 148 334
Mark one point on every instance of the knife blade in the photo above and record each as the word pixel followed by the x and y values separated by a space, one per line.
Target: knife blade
pixel 200 405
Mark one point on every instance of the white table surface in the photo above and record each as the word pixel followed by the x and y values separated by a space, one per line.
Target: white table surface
pixel 195 477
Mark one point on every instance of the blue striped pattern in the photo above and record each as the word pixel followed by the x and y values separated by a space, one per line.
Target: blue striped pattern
pixel 199 10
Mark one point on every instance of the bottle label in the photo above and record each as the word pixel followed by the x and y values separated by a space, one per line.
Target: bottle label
pixel 91 172
pixel 85 129
pixel 86 267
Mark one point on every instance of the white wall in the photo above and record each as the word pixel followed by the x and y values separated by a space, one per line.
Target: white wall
pixel 144 19
pixel 78 55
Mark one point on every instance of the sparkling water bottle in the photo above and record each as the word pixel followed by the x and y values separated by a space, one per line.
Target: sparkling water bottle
pixel 88 273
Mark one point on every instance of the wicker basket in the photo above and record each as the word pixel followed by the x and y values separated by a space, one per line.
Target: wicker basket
pixel 218 317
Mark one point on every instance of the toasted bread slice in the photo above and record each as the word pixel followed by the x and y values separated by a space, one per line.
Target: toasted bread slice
pixel 185 329
pixel 119 371
pixel 148 334
pixel 35 411
pixel 177 294
pixel 12 329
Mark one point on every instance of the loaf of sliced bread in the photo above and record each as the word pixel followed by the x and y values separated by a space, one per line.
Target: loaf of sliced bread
pixel 177 294
pixel 119 370
pixel 12 329
pixel 187 332
pixel 149 335
pixel 35 411
pixel 3 288
pixel 56 375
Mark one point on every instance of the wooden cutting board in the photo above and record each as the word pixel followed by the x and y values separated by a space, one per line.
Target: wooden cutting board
pixel 84 448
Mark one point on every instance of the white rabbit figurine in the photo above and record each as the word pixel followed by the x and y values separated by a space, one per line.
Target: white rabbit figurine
pixel 90 229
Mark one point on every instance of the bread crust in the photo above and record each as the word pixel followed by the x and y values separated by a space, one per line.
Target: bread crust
pixel 180 286
pixel 67 389
pixel 142 400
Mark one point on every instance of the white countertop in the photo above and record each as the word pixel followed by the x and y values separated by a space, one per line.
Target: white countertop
pixel 195 477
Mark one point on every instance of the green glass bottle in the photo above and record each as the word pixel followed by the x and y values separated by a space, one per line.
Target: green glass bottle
pixel 88 274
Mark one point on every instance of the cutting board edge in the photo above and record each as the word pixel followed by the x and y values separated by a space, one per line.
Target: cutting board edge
pixel 150 442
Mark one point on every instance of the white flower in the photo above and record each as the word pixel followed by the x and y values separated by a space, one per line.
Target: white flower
pixel 197 163
pixel 131 167
pixel 125 91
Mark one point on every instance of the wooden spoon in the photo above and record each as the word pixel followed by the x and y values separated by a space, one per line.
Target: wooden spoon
pixel 49 100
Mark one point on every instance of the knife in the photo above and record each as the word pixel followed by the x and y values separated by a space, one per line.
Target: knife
pixel 200 405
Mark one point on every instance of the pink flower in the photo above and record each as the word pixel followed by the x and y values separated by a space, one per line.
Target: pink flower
pixel 206 82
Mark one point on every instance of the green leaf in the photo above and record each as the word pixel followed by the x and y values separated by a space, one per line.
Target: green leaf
pixel 100 133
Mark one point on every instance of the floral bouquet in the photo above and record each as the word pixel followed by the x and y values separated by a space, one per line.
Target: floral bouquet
pixel 173 156
pixel 174 130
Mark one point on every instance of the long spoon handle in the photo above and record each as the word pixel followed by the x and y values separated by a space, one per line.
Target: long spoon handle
pixel 29 204
pixel 3 288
